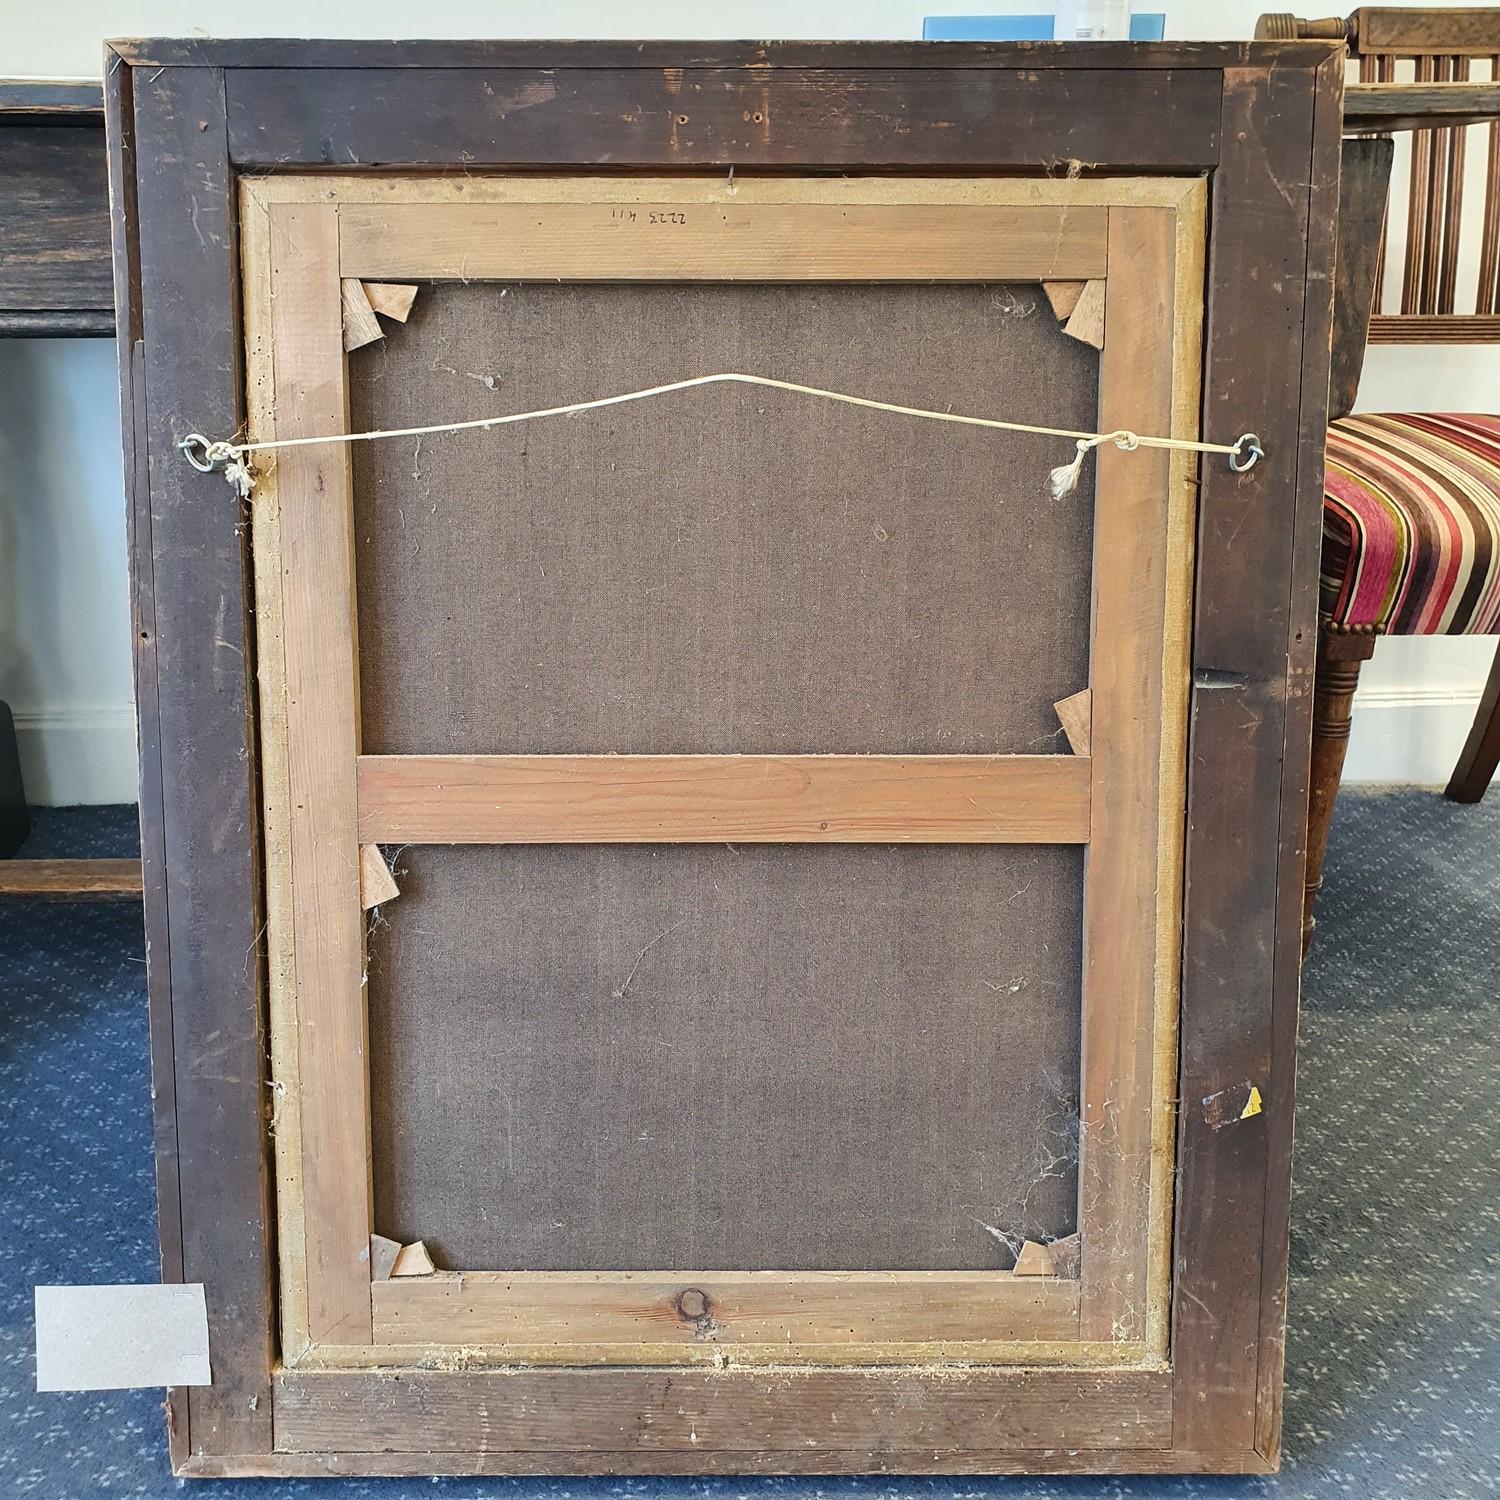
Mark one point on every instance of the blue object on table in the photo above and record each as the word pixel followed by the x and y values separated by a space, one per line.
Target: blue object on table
pixel 1150 27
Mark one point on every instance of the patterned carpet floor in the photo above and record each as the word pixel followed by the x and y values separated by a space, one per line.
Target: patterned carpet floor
pixel 1393 1371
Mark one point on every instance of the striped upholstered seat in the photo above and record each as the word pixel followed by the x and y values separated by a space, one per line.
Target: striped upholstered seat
pixel 1411 524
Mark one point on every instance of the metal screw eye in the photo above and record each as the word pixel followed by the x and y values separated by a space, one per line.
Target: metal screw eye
pixel 195 449
pixel 1247 453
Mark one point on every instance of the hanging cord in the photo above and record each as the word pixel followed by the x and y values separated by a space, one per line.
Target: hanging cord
pixel 207 456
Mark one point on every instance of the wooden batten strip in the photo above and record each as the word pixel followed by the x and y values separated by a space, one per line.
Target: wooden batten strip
pixel 680 241
pixel 1124 870
pixel 321 719
pixel 547 799
pixel 493 1308
pixel 83 879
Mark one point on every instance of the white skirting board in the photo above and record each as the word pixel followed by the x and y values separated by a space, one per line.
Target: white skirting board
pixel 77 754
pixel 1409 734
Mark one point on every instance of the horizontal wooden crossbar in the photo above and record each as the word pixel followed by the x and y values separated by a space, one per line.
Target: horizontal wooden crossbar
pixel 674 239
pixel 698 799
pixel 777 1308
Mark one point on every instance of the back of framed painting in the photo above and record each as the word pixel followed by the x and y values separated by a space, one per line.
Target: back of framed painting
pixel 747 943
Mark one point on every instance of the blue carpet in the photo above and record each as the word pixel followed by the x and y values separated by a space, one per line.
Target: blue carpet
pixel 1393 1368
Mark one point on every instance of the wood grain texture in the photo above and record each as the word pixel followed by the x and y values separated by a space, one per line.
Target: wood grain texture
pixel 361 326
pixel 1126 692
pixel 675 240
pixel 739 1411
pixel 1340 657
pixel 1238 722
pixel 1416 106
pixel 78 878
pixel 652 56
pixel 718 1308
pixel 275 779
pixel 1487 288
pixel 769 1461
pixel 322 736
pixel 1032 1354
pixel 376 883
pixel 131 354
pixel 1063 296
pixel 1481 753
pixel 1086 321
pixel 1076 715
pixel 413 1260
pixel 1182 507
pixel 54 220
pixel 1364 186
pixel 1412 30
pixel 1258 199
pixel 1300 627
pixel 708 116
pixel 193 659
pixel 548 799
pixel 76 99
pixel 1419 187
pixel 1419 328
pixel 1264 370
pixel 374 189
pixel 57 323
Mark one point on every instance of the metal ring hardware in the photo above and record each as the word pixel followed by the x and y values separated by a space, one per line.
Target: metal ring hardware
pixel 1247 453
pixel 194 444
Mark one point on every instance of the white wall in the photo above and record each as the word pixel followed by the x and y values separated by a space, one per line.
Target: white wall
pixel 64 650
pixel 64 616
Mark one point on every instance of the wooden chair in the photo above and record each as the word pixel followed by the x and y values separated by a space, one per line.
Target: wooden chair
pixel 1411 540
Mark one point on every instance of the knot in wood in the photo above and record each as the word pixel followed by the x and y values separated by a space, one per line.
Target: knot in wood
pixel 692 1304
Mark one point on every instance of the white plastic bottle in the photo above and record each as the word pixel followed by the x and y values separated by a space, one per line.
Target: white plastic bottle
pixel 1093 21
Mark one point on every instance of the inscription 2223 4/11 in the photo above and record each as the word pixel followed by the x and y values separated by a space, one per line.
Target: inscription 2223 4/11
pixel 646 216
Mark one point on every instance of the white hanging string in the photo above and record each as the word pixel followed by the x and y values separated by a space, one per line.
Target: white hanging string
pixel 207 456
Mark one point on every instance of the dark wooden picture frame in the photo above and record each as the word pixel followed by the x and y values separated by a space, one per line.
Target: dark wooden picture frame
pixel 187 121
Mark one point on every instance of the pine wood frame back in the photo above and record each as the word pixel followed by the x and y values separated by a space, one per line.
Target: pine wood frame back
pixel 1261 122
pixel 1143 239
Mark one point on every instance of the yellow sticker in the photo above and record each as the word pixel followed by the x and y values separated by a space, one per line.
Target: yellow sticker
pixel 1253 1104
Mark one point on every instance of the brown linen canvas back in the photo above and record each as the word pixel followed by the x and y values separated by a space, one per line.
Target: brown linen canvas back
pixel 607 1057
pixel 753 1058
pixel 727 569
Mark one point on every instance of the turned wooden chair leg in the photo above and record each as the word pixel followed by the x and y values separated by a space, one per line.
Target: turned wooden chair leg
pixel 1482 752
pixel 1341 653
